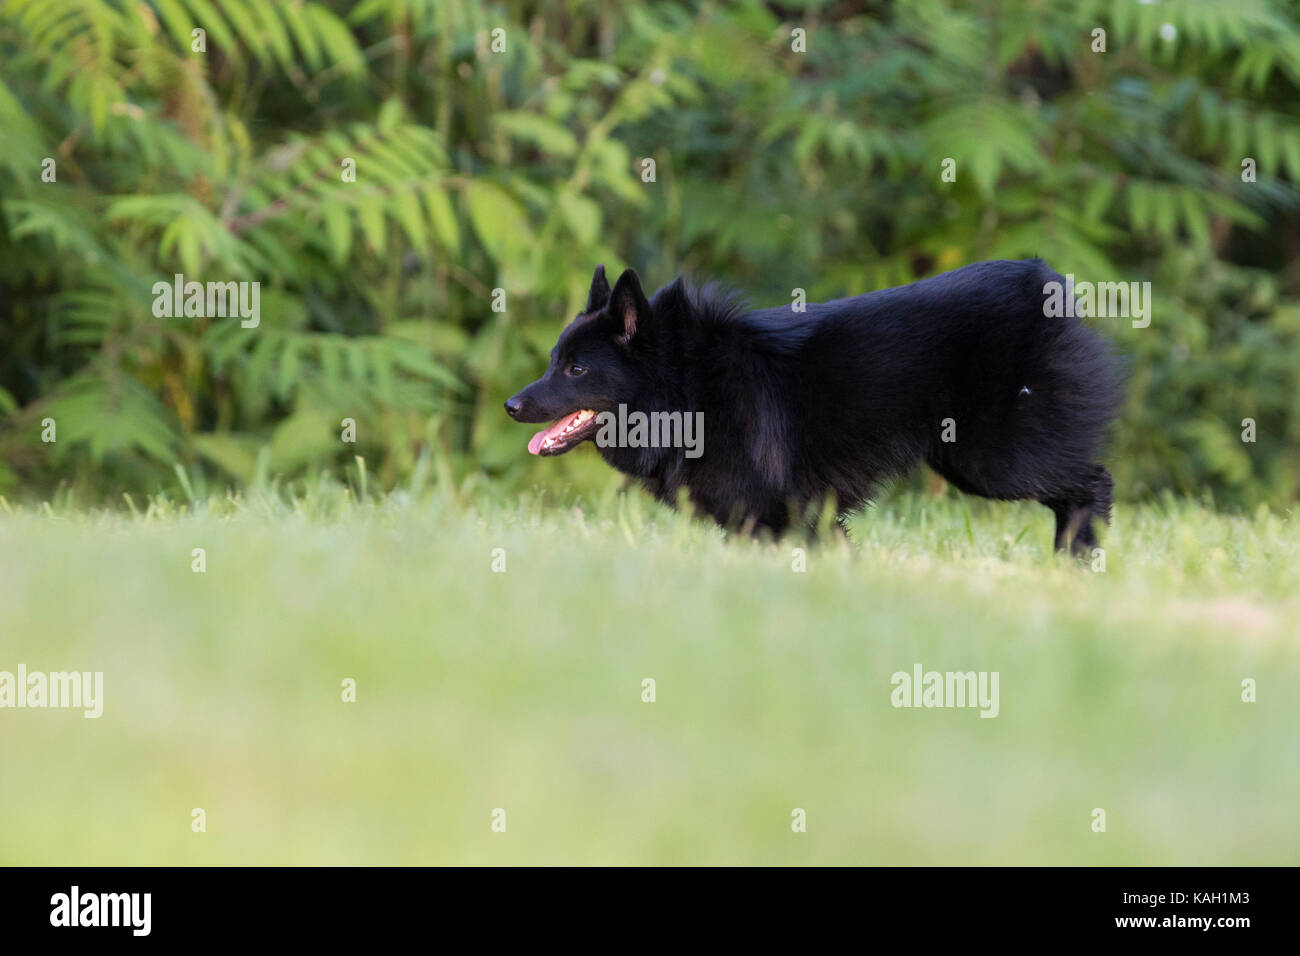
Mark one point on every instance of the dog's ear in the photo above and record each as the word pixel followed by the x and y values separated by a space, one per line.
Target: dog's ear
pixel 628 307
pixel 599 293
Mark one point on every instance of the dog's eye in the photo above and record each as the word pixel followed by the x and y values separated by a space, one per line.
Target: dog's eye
pixel 574 370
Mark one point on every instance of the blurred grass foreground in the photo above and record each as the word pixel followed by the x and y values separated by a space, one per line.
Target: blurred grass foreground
pixel 500 653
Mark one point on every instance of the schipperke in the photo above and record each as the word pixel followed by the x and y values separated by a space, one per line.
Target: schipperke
pixel 964 371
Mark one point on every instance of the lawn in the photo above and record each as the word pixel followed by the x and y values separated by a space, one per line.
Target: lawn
pixel 522 689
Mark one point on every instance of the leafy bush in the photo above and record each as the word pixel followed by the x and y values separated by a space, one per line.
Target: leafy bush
pixel 520 170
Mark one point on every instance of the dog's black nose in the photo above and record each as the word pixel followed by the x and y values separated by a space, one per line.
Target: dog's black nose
pixel 513 407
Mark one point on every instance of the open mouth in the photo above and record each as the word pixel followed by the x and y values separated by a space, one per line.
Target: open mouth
pixel 560 436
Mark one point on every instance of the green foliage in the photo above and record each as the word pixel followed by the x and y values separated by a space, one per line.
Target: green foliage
pixel 520 170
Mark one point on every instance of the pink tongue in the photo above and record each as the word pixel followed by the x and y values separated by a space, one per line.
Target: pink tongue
pixel 535 443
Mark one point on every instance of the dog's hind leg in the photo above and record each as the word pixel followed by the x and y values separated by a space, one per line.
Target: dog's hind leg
pixel 1076 509
pixel 1103 490
pixel 1073 527
pixel 1064 532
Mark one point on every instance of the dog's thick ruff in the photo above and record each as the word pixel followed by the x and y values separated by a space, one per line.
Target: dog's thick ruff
pixel 962 371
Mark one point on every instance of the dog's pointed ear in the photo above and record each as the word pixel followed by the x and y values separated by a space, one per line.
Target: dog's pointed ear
pixel 628 307
pixel 599 293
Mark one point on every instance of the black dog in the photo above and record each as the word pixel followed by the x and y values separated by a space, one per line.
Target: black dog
pixel 963 371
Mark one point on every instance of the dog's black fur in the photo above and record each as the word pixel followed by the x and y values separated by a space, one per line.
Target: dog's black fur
pixel 802 408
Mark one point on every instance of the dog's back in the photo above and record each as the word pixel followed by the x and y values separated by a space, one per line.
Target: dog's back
pixel 964 371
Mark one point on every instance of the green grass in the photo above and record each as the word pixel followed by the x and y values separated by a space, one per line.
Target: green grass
pixel 477 690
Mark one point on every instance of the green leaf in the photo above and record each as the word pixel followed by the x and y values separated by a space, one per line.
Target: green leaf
pixel 498 219
pixel 544 133
pixel 582 215
pixel 338 227
pixel 443 218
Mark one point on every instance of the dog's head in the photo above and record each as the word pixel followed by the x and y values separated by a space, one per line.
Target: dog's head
pixel 593 367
